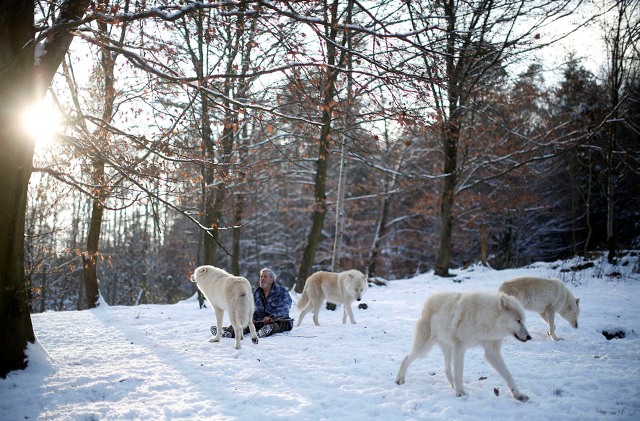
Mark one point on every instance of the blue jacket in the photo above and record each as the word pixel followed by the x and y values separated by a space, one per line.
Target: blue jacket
pixel 276 305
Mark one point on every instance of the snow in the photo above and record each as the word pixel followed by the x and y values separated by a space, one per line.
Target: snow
pixel 156 361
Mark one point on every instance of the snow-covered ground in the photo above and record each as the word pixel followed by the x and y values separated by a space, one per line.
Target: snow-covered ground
pixel 155 362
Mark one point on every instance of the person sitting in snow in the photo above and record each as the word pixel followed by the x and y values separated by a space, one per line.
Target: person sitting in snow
pixel 273 304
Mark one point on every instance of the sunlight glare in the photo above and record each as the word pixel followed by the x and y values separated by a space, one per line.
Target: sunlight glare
pixel 42 121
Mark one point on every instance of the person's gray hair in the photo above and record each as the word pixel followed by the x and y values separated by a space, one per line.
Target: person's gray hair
pixel 270 272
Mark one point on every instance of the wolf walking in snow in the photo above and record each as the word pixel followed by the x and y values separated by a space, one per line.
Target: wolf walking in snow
pixel 546 297
pixel 226 292
pixel 340 288
pixel 460 320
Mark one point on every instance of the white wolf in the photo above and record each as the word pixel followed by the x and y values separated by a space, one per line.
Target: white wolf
pixel 231 293
pixel 339 288
pixel 460 320
pixel 546 297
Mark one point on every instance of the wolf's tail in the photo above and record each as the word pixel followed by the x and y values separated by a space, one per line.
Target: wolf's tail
pixel 240 299
pixel 245 313
pixel 423 337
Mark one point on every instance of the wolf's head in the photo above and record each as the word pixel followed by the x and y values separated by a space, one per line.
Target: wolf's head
pixel 512 318
pixel 571 311
pixel 207 273
pixel 357 284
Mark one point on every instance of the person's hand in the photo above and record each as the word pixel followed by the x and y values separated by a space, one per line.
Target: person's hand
pixel 266 320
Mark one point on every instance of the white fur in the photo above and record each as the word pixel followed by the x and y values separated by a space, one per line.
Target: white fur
pixel 457 321
pixel 226 292
pixel 546 297
pixel 339 288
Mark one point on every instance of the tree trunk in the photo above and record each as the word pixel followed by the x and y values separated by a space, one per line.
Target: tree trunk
pixel 337 244
pixel 450 144
pixel 377 239
pixel 21 82
pixel 615 84
pixel 237 233
pixel 209 246
pixel 100 190
pixel 16 152
pixel 447 199
pixel 320 210
pixel 91 286
pixel 483 244
pixel 342 180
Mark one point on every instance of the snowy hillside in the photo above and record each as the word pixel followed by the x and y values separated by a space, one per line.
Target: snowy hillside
pixel 156 361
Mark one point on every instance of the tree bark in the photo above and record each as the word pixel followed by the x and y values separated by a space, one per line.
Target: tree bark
pixel 100 189
pixel 446 202
pixel 324 142
pixel 483 244
pixel 450 144
pixel 615 43
pixel 16 151
pixel 337 244
pixel 91 287
pixel 320 210
pixel 21 84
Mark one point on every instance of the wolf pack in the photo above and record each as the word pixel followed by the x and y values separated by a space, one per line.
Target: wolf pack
pixel 455 321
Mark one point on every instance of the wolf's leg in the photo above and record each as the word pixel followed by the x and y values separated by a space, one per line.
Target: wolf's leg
pixel 457 351
pixel 254 335
pixel 550 317
pixel 303 313
pixel 237 328
pixel 448 354
pixel 544 317
pixel 403 367
pixel 422 343
pixel 316 310
pixel 219 314
pixel 494 357
pixel 348 311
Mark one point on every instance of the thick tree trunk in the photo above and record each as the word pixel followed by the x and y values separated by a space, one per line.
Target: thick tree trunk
pixel 91 257
pixel 320 210
pixel 16 152
pixel 446 203
pixel 21 84
pixel 450 145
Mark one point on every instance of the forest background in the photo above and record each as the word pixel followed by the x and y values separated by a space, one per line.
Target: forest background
pixel 393 137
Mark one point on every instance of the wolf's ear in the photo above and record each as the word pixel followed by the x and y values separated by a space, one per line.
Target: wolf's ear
pixel 504 301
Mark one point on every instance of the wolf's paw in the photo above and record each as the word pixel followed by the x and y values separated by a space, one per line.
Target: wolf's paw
pixel 214 340
pixel 254 340
pixel 521 397
pixel 461 393
pixel 400 380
